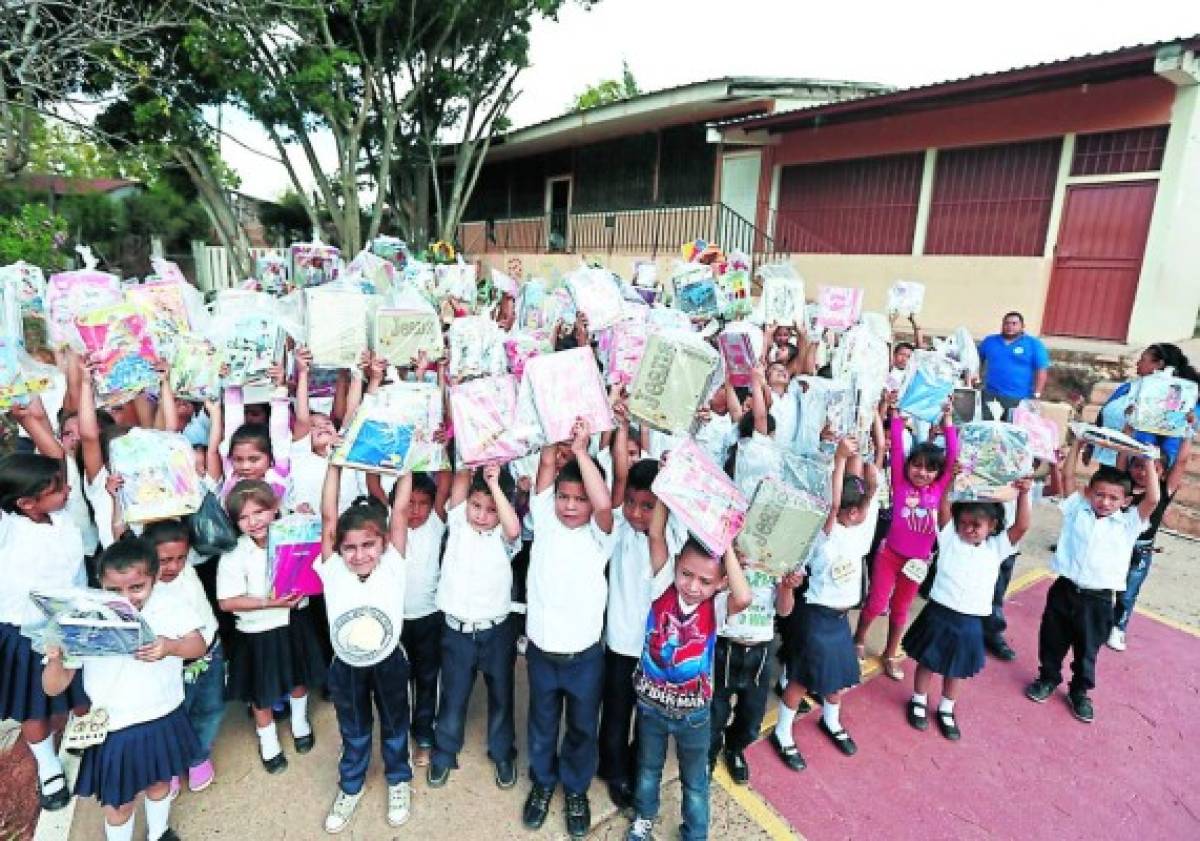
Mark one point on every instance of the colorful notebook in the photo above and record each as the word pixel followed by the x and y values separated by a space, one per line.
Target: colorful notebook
pixel 159 473
pixel 701 496
pixel 119 343
pixel 566 386
pixel 393 432
pixel 293 546
pixel 674 379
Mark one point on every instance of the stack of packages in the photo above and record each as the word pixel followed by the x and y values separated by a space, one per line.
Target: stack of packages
pixel 22 302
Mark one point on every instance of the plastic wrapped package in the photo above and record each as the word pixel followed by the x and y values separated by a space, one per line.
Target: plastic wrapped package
pixel 314 263
pixel 272 273
pixel 249 344
pixel 394 431
pixel 823 402
pixel 1161 404
pixel 167 315
pixel 929 386
pixel 195 369
pixel 757 458
pixel 457 281
pixel 26 283
pixel 781 527
pixel 736 286
pixel 839 307
pixel 991 456
pixel 293 546
pixel 121 349
pixel 1044 434
pixel 392 249
pixel 782 295
pixel 695 291
pixel 628 349
pixel 87 623
pixel 645 274
pixel 522 345
pixel 739 357
pixel 505 284
pixel 337 332
pixel 476 347
pixel 400 335
pixel 21 376
pixel 596 295
pixel 158 470
pixel 567 385
pixel 905 298
pixel 71 294
pixel 1112 439
pixel 701 496
pixel 483 411
pixel 370 272
pixel 674 379
pixel 877 323
pixel 668 318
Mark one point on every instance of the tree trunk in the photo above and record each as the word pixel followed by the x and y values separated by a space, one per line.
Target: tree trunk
pixel 216 205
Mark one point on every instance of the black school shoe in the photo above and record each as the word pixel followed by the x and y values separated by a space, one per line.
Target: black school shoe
pixel 1000 649
pixel 437 775
pixel 948 725
pixel 57 800
pixel 918 715
pixel 537 806
pixel 169 835
pixel 1081 706
pixel 305 744
pixel 735 764
pixel 579 815
pixel 841 739
pixel 790 755
pixel 277 764
pixel 1039 691
pixel 506 774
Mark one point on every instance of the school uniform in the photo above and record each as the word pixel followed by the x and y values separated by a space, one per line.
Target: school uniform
pixel 369 667
pixel 565 658
pixel 149 737
pixel 33 556
pixel 423 623
pixel 203 677
pixel 1092 562
pixel 474 596
pixel 742 667
pixel 275 649
pixel 631 589
pixel 947 637
pixel 307 480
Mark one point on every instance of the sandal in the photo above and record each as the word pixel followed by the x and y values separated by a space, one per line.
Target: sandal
pixel 892 667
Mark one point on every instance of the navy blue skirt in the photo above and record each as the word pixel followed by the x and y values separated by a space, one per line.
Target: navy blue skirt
pixel 265 666
pixel 821 655
pixel 134 758
pixel 946 642
pixel 21 695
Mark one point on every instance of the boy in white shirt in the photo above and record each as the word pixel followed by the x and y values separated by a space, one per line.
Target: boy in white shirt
pixel 474 595
pixel 1092 561
pixel 573 527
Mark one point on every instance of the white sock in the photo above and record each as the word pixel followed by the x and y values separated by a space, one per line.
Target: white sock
pixel 946 706
pixel 268 741
pixel 783 678
pixel 831 715
pixel 922 699
pixel 158 815
pixel 300 725
pixel 783 727
pixel 47 763
pixel 120 832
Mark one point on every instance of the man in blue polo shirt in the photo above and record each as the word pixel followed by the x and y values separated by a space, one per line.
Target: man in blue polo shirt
pixel 1015 365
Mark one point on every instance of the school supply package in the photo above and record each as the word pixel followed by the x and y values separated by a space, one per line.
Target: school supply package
pixel 781 527
pixel 483 410
pixel 84 622
pixel 701 496
pixel 314 263
pixel 121 350
pixel 991 456
pixel 738 353
pixel 565 386
pixel 1044 434
pixel 293 546
pixel 929 386
pixel 271 270
pixel 522 345
pixel 695 290
pixel 676 376
pixel 1161 403
pixel 337 325
pixel 596 295
pixel 626 350
pixel 1112 439
pixel 905 298
pixel 476 348
pixel 782 296
pixel 159 473
pixel 70 295
pixel 838 307
pixel 21 376
pixel 249 344
pixel 195 369
pixel 394 431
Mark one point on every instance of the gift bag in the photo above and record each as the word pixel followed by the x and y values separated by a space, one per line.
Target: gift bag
pixel 930 384
pixel 394 432
pixel 991 456
pixel 1044 434
pixel 159 473
pixel 195 369
pixel 71 294
pixel 629 339
pixel 1161 404
pixel 337 326
pixel 781 527
pixel 739 357
pixel 701 496
pixel 838 307
pixel 905 298
pixel 313 263
pixel 596 295
pixel 118 341
pixel 567 385
pixel 401 335
pixel 476 347
pixel 483 410
pixel 211 531
pixel 674 379
pixel 782 296
pixel 293 546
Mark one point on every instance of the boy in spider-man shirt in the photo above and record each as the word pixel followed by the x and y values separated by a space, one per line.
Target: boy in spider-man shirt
pixel 673 681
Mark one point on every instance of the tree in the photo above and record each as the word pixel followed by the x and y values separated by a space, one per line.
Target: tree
pixel 608 91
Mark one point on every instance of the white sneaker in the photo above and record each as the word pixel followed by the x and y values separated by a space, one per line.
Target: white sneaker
pixel 399 798
pixel 639 830
pixel 1116 640
pixel 341 811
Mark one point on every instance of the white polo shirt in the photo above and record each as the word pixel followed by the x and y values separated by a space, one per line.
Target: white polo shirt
pixel 423 567
pixel 755 624
pixel 835 577
pixel 1094 551
pixel 966 574
pixel 187 589
pixel 365 617
pixel 632 587
pixel 243 571
pixel 567 591
pixel 36 556
pixel 476 577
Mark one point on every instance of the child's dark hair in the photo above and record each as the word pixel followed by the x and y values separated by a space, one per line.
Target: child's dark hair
pixel 746 425
pixel 993 511
pixel 570 472
pixel 167 531
pixel 366 512
pixel 29 475
pixel 256 434
pixel 742 392
pixel 642 475
pixel 695 546
pixel 928 454
pixel 909 346
pixel 1108 475
pixel 479 485
pixel 128 553
pixel 854 492
pixel 422 483
pixel 108 434
pixel 249 490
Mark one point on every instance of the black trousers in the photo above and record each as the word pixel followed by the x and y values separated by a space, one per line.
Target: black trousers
pixel 741 673
pixel 618 736
pixel 1078 620
pixel 422 639
pixel 995 624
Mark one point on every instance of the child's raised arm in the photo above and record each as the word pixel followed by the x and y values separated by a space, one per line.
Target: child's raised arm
pixel 303 425
pixel 945 510
pixel 509 521
pixel 657 536
pixel 233 407
pixel 168 412
pixel 34 421
pixel 442 479
pixel 398 523
pixel 1071 469
pixel 740 596
pixel 460 487
pixel 847 449
pixel 330 492
pixel 89 427
pixel 1024 511
pixel 758 401
pixel 1150 500
pixel 280 423
pixel 593 479
pixel 213 463
pixel 545 470
pixel 1179 468
pixel 620 455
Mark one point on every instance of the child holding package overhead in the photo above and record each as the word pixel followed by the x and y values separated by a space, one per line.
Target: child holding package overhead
pixel 674 678
pixel 1099 532
pixel 573 523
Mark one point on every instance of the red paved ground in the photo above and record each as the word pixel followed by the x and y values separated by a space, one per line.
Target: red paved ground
pixel 1022 770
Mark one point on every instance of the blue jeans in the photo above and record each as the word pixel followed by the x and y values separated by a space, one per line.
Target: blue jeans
pixel 574 686
pixel 204 699
pixel 422 639
pixel 691 734
pixel 493 652
pixel 995 625
pixel 1139 568
pixel 352 690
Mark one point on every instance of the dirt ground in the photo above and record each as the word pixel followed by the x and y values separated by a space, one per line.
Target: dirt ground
pixel 247 803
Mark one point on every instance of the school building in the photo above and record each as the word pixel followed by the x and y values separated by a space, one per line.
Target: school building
pixel 1068 190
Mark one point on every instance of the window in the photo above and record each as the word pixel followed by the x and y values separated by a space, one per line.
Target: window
pixel 615 175
pixel 993 200
pixel 865 206
pixel 686 167
pixel 1111 152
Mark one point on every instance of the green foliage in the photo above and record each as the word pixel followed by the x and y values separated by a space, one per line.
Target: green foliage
pixel 32 234
pixel 286 219
pixel 608 91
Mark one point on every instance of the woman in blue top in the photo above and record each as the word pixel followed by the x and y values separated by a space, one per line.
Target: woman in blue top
pixel 1113 413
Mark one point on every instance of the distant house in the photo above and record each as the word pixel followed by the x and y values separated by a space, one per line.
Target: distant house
pixel 57 186
pixel 634 176
pixel 248 211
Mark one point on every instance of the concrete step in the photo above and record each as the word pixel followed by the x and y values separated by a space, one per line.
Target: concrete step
pixel 1183 519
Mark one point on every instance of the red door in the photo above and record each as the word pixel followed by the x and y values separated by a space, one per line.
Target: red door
pixel 1098 259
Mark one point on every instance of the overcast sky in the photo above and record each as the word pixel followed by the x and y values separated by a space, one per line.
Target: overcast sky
pixel 673 42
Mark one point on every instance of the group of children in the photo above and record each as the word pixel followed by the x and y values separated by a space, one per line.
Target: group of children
pixel 632 632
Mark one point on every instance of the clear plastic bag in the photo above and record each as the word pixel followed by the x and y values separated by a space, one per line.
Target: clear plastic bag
pixel 782 525
pixel 1044 434
pixel 338 331
pixel 783 295
pixel 929 386
pixel 400 335
pixel 1161 403
pixel 905 298
pixel 314 263
pixel 839 307
pixel 991 456
pixel 597 296
pixel 567 385
pixel 121 348
pixel 483 410
pixel 159 473
pixel 21 376
pixel 476 347
pixel 695 290
pixel 69 295
pixel 675 377
pixel 394 432
pixel 704 499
